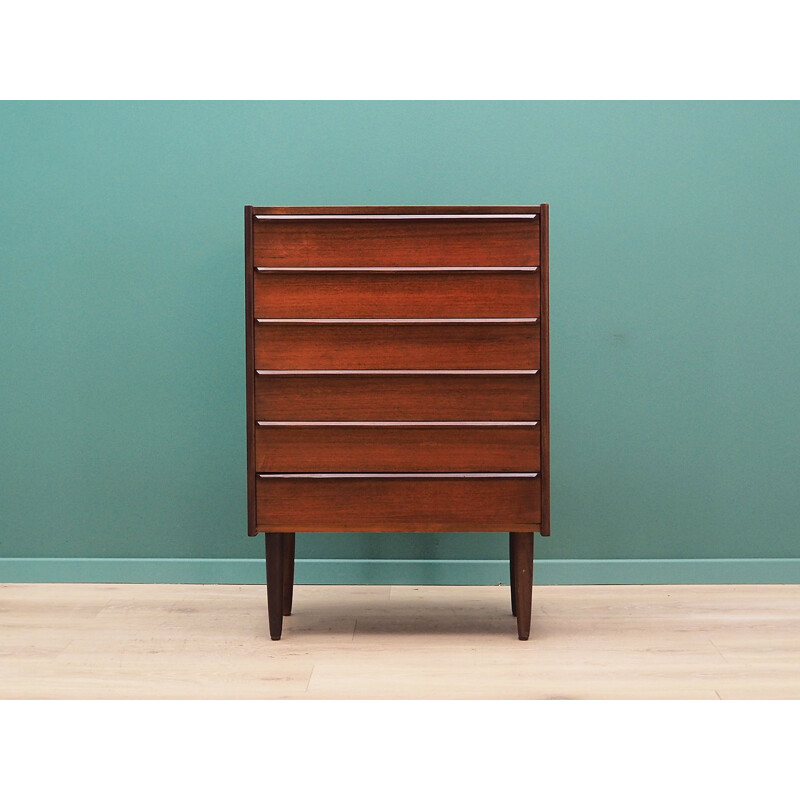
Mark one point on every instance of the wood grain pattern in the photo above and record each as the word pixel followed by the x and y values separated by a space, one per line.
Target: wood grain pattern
pixel 399 294
pixel 396 294
pixel 512 565
pixel 288 573
pixel 397 397
pixel 282 210
pixel 398 504
pixel 397 346
pixel 179 641
pixel 276 552
pixel 249 369
pixel 376 243
pixel 545 363
pixel 522 553
pixel 388 448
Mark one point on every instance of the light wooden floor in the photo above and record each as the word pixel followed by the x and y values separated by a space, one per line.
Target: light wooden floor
pixel 368 642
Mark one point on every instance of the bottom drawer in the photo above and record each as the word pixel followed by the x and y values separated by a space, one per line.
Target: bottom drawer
pixel 399 502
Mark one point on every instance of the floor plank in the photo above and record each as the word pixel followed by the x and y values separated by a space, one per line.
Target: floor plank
pixel 399 642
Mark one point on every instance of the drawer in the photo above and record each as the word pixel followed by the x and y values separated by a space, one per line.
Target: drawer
pixel 415 293
pixel 398 503
pixel 404 397
pixel 392 447
pixel 392 345
pixel 396 242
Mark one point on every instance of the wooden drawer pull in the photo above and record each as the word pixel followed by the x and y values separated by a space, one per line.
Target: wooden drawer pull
pixel 393 321
pixel 361 270
pixel 404 423
pixel 371 475
pixel 393 216
pixel 397 371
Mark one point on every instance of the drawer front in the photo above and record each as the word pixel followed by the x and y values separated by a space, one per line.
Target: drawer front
pixel 397 503
pixel 457 345
pixel 397 448
pixel 424 293
pixel 405 398
pixel 396 243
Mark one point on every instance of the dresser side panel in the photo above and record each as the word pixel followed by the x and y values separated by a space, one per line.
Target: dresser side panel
pixel 249 369
pixel 544 247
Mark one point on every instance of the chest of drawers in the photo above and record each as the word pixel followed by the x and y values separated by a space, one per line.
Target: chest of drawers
pixel 397 378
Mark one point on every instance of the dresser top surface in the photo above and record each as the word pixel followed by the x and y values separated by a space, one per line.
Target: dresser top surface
pixel 358 210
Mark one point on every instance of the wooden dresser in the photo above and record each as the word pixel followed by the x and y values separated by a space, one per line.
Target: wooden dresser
pixel 397 378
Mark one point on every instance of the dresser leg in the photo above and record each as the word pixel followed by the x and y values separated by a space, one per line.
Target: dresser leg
pixel 275 566
pixel 513 580
pixel 288 574
pixel 523 581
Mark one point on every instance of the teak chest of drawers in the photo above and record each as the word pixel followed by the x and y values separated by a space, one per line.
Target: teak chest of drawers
pixel 397 378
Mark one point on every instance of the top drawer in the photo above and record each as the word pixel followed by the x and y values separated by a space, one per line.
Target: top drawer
pixel 371 242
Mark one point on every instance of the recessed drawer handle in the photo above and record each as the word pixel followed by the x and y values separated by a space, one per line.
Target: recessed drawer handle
pixel 397 372
pixel 322 423
pixel 397 474
pixel 392 320
pixel 395 216
pixel 300 270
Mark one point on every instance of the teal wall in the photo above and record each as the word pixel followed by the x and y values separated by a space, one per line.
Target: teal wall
pixel 675 288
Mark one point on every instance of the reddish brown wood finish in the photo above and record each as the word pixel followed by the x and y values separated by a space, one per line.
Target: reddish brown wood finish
pixel 450 345
pixel 545 363
pixel 408 448
pixel 522 554
pixel 512 565
pixel 304 294
pixel 276 553
pixel 249 369
pixel 403 398
pixel 398 504
pixel 288 573
pixel 364 278
pixel 396 243
pixel 334 210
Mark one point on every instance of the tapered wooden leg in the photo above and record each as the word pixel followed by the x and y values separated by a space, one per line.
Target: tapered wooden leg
pixel 513 582
pixel 288 574
pixel 523 581
pixel 275 565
